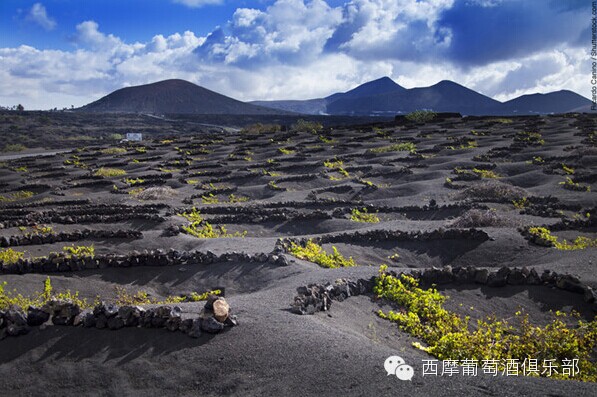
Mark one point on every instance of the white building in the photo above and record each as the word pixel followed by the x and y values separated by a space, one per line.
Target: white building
pixel 134 136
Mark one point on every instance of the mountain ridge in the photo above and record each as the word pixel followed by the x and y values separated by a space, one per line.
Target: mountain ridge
pixel 172 96
pixel 444 96
pixel 382 96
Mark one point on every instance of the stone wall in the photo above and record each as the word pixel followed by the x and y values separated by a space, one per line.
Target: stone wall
pixel 215 316
pixel 319 297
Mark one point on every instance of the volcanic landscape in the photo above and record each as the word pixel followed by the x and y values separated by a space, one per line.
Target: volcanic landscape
pixel 451 200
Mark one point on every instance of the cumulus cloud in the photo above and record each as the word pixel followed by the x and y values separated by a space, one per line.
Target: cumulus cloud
pixel 287 32
pixel 39 15
pixel 382 29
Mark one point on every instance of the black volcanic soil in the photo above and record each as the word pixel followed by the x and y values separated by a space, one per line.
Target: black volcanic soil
pixel 291 193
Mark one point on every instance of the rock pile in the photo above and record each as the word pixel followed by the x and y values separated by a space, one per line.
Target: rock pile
pixel 316 297
pixel 214 317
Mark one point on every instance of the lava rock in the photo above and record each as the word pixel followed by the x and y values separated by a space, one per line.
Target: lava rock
pixel 211 325
pixel 36 316
pixel 481 276
pixel 65 313
pixel 533 278
pixel 499 278
pixel 516 277
pixel 570 283
pixel 195 328
pixel 86 319
pixel 173 323
pixel 130 315
pixel 589 295
pixel 101 321
pixel 115 322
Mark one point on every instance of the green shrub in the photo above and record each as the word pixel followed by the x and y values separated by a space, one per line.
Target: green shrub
pixel 134 181
pixel 125 298
pixel 14 147
pixel 315 253
pixel 486 173
pixel 113 150
pixel 543 236
pixel 285 150
pixel 398 147
pixel 448 335
pixel 10 299
pixel 333 164
pixel 338 166
pixel 467 144
pixel 200 228
pixel 192 216
pixel 274 186
pixel 205 229
pixel 521 204
pixel 259 128
pixel 307 126
pixel 363 216
pixel 529 138
pixel 567 170
pixel 80 250
pixel 326 139
pixel 477 172
pixel 19 195
pixel 9 256
pixel 270 173
pixel 105 172
pixel 421 116
pixel 237 199
pixel 569 184
pixel 209 199
pixel 136 191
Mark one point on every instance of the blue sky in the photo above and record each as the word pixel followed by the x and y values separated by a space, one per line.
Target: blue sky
pixel 63 52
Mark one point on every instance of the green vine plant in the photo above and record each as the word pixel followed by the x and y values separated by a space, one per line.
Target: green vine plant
pixel 200 228
pixel 449 336
pixel 313 252
pixel 39 299
pixel 363 216
pixel 543 236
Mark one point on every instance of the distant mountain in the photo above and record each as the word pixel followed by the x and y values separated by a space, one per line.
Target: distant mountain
pixel 554 102
pixel 172 96
pixel 385 97
pixel 445 96
pixel 384 85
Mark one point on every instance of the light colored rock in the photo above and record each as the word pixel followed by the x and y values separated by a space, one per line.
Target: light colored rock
pixel 221 310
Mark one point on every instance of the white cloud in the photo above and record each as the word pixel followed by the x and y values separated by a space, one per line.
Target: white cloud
pixel 198 3
pixel 287 32
pixel 39 15
pixel 88 34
